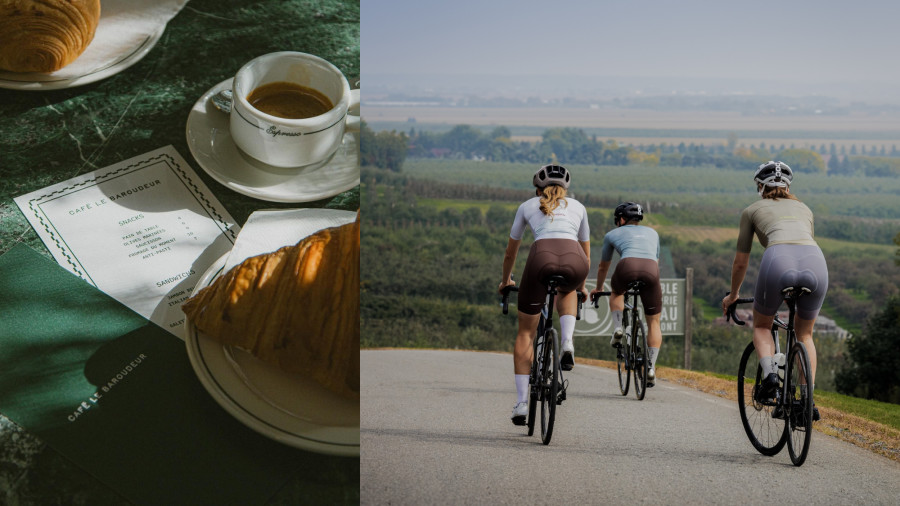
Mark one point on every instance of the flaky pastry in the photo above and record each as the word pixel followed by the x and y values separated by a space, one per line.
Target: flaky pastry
pixel 296 308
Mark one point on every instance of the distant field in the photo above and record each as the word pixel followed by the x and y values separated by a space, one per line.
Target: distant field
pixel 686 233
pixel 631 125
pixel 662 187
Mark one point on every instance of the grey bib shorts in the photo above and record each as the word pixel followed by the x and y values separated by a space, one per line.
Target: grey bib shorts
pixel 796 265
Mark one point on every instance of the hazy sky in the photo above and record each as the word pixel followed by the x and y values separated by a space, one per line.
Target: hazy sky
pixel 794 41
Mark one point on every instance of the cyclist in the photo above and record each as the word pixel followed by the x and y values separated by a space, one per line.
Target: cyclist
pixel 638 248
pixel 784 226
pixel 561 246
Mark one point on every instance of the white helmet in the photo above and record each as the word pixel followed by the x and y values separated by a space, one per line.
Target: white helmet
pixel 774 174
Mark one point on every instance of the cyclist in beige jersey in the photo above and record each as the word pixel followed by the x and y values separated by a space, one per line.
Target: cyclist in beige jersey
pixel 784 226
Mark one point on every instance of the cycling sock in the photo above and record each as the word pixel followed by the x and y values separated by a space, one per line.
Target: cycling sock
pixel 767 364
pixel 522 387
pixel 654 352
pixel 567 326
pixel 617 319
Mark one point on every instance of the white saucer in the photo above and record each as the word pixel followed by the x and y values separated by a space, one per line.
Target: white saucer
pixel 282 406
pixel 210 142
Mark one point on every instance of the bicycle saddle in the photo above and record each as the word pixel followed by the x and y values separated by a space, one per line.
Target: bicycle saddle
pixel 635 285
pixel 793 279
pixel 795 292
pixel 555 280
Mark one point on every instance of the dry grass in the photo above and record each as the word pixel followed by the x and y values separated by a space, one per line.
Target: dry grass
pixel 867 434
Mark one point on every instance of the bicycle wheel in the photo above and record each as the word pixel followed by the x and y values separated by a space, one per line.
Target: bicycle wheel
pixel 549 383
pixel 641 359
pixel 534 390
pixel 623 362
pixel 767 434
pixel 800 404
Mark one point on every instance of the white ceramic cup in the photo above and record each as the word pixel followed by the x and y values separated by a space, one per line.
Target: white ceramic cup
pixel 285 142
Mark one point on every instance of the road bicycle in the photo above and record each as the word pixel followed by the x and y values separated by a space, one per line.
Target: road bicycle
pixel 546 383
pixel 632 357
pixel 788 417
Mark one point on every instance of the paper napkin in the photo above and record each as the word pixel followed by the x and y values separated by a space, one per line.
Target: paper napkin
pixel 268 230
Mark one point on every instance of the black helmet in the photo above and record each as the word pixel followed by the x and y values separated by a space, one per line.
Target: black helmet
pixel 552 175
pixel 774 174
pixel 629 211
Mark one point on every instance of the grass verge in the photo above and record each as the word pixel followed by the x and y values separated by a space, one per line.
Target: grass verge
pixel 872 425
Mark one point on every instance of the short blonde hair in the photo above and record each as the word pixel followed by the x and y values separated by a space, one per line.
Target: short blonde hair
pixel 775 192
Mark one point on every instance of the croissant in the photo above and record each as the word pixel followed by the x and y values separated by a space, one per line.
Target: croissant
pixel 45 35
pixel 296 308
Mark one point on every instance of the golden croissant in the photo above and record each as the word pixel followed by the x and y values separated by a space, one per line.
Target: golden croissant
pixel 45 35
pixel 296 308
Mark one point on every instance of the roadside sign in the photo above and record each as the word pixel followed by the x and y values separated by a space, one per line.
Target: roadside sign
pixel 598 321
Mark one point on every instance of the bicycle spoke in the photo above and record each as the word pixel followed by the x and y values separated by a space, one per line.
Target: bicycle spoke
pixel 766 433
pixel 800 404
pixel 549 384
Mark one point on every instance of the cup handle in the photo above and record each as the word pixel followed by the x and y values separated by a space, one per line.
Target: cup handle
pixel 353 107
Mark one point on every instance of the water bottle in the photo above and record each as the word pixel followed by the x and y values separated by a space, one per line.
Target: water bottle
pixel 628 335
pixel 779 361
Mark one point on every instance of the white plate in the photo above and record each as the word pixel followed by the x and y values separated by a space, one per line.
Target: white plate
pixel 127 57
pixel 285 407
pixel 209 140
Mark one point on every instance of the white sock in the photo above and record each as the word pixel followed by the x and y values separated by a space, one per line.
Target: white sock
pixel 617 319
pixel 522 387
pixel 767 364
pixel 567 326
pixel 654 352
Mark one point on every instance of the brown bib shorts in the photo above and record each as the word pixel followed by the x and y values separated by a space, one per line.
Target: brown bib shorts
pixel 643 269
pixel 547 257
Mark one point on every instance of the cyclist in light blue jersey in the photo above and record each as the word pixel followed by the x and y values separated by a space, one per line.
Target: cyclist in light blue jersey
pixel 638 247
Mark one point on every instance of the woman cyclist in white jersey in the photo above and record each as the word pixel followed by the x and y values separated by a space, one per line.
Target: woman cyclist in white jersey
pixel 561 246
pixel 784 226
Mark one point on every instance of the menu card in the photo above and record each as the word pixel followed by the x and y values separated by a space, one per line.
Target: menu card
pixel 142 230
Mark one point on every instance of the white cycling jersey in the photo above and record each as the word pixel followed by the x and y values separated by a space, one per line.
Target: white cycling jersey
pixel 567 221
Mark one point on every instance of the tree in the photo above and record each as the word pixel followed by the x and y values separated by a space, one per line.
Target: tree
pixel 897 254
pixel 385 150
pixel 803 160
pixel 874 371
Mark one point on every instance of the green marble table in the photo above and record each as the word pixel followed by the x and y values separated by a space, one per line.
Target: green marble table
pixel 50 136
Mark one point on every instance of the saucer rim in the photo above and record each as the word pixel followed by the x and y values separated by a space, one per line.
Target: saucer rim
pixel 260 193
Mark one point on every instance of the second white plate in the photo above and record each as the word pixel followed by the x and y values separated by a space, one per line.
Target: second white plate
pixel 285 407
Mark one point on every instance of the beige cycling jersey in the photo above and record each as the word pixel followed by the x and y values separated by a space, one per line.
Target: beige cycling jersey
pixel 782 221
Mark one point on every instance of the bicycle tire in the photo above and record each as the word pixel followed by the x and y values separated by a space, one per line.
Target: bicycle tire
pixel 623 362
pixel 641 358
pixel 766 434
pixel 534 392
pixel 799 403
pixel 549 383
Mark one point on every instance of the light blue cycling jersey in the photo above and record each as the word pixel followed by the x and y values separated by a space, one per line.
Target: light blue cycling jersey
pixel 568 221
pixel 631 241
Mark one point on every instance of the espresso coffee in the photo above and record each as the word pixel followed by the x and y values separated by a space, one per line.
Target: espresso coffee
pixel 289 100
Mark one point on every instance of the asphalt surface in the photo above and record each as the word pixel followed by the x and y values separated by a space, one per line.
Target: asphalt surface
pixel 435 429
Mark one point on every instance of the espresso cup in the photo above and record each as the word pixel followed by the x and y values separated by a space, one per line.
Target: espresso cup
pixel 292 142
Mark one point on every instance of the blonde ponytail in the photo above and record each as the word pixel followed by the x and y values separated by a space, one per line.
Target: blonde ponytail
pixel 550 197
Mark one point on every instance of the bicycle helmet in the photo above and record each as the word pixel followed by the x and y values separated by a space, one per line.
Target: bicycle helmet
pixel 629 211
pixel 774 174
pixel 552 175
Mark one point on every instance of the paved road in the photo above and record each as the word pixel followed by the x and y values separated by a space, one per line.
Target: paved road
pixel 435 430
